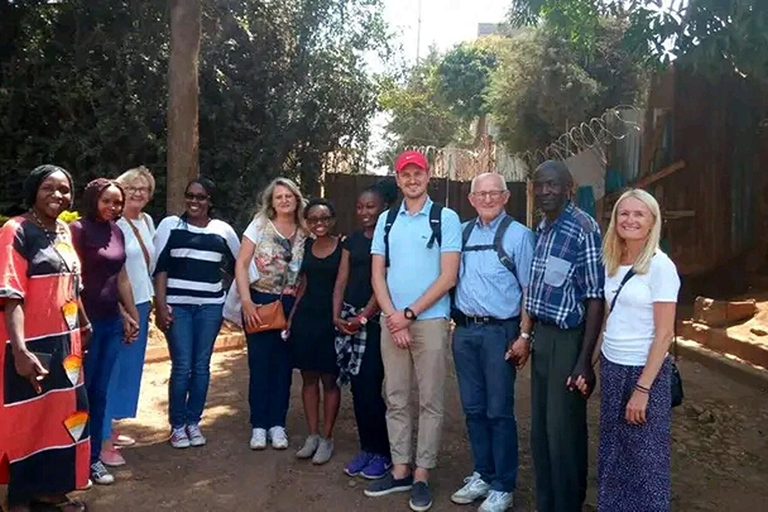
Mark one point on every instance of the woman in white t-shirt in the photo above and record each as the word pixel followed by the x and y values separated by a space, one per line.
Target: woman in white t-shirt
pixel 635 404
pixel 138 230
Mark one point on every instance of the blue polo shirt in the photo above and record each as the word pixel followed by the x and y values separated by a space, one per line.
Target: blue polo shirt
pixel 414 267
pixel 486 287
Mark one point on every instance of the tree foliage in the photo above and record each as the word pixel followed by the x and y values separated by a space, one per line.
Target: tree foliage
pixel 714 36
pixel 438 98
pixel 544 83
pixel 84 85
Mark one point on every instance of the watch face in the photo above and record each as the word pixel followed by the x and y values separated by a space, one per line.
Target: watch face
pixel 363 320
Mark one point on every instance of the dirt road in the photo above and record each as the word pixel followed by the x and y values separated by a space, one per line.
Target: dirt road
pixel 720 453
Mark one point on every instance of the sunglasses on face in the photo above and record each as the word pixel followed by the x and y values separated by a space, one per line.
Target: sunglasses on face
pixel 198 197
pixel 286 246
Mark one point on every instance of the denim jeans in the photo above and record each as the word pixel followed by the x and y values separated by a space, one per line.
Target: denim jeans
pixel 103 352
pixel 270 369
pixel 124 386
pixel 487 390
pixel 190 339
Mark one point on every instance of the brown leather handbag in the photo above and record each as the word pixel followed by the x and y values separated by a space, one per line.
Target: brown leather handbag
pixel 272 317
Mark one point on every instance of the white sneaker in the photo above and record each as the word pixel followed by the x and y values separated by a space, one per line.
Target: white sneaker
pixel 100 475
pixel 179 438
pixel 497 501
pixel 258 439
pixel 474 489
pixel 279 438
pixel 196 437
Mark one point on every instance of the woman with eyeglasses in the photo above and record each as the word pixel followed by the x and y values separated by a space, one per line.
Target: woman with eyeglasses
pixel 312 334
pixel 274 240
pixel 191 251
pixel 138 230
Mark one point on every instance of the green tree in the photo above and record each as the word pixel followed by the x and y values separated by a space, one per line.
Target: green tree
pixel 543 83
pixel 281 85
pixel 713 35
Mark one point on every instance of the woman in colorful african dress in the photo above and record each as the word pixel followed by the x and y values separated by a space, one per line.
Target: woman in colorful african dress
pixel 44 434
pixel 633 460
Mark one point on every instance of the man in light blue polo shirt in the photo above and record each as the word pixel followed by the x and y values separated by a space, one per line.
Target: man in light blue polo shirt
pixel 412 273
pixel 491 339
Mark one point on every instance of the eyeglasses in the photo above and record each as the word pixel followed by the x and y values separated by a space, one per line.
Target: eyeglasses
pixel 492 194
pixel 138 190
pixel 199 197
pixel 319 220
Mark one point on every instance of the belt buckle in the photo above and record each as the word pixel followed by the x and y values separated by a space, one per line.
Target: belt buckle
pixel 480 320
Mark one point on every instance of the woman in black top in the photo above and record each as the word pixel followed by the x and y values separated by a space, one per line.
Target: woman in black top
pixel 312 334
pixel 355 314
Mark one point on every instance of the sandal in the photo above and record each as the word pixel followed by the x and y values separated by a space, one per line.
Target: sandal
pixel 65 505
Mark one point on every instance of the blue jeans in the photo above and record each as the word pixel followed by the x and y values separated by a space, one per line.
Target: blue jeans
pixel 123 393
pixel 190 340
pixel 270 369
pixel 487 390
pixel 103 352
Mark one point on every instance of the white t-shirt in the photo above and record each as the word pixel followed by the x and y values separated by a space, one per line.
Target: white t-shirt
pixel 630 330
pixel 135 264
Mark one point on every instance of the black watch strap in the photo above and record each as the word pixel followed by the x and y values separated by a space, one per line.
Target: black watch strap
pixel 409 314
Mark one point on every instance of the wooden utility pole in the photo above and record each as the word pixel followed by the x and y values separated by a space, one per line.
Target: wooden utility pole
pixel 183 92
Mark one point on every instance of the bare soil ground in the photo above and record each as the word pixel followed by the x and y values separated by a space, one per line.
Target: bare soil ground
pixel 720 453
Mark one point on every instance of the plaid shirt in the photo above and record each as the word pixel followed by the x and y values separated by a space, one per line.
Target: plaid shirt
pixel 350 349
pixel 567 269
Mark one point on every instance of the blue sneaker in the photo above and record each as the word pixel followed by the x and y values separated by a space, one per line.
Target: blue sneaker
pixel 378 466
pixel 358 464
pixel 388 485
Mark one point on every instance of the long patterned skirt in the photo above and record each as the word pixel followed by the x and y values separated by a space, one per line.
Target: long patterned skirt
pixel 633 461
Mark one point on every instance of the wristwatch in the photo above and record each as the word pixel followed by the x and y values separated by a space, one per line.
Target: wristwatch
pixel 362 319
pixel 409 314
pixel 525 335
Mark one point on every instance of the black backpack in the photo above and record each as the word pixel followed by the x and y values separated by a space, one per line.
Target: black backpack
pixel 435 214
pixel 497 245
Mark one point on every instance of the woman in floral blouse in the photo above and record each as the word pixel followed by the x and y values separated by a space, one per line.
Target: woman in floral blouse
pixel 275 241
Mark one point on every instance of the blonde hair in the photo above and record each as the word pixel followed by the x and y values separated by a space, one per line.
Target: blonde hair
pixel 613 245
pixel 130 175
pixel 267 211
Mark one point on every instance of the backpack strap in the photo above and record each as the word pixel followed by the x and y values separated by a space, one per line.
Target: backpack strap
pixel 435 221
pixel 467 232
pixel 391 217
pixel 498 245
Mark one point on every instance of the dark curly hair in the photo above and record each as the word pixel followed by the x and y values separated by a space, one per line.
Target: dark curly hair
pixel 90 204
pixel 386 189
pixel 319 201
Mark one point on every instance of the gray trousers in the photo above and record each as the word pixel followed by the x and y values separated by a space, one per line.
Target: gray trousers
pixel 559 443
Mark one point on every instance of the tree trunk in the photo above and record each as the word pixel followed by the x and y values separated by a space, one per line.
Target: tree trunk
pixel 183 91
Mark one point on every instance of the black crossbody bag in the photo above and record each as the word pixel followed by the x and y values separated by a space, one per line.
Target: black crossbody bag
pixel 676 381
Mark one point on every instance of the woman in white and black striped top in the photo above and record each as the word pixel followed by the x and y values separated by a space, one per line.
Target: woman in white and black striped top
pixel 191 251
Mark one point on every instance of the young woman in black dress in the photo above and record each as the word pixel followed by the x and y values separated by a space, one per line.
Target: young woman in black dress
pixel 358 342
pixel 312 332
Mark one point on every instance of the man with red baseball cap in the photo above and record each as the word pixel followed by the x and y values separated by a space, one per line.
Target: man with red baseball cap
pixel 415 259
pixel 411 158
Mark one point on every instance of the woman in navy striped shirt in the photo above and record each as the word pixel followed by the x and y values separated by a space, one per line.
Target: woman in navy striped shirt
pixel 190 295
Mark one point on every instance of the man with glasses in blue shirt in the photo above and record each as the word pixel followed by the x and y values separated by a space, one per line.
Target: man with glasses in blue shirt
pixel 491 340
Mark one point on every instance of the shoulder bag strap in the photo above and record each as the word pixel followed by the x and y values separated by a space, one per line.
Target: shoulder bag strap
pixel 137 234
pixel 627 277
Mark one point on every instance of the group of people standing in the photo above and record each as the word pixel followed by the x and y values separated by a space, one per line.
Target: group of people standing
pixel 371 309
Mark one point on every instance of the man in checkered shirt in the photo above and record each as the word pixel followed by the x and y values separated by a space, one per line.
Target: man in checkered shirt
pixel 565 299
